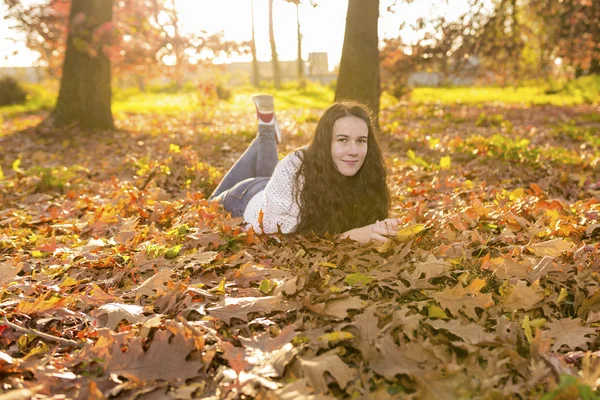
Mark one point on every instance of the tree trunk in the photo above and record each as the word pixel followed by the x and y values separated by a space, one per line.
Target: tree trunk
pixel 85 88
pixel 301 79
pixel 255 69
pixel 358 78
pixel 276 70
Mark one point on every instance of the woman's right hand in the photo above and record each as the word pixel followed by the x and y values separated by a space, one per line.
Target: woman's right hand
pixel 379 231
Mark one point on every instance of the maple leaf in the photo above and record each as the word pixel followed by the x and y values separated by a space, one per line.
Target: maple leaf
pixel 315 368
pixel 522 297
pixel 570 333
pixel 464 298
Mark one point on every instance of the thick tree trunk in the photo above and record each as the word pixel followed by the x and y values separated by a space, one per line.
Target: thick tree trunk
pixel 301 79
pixel 358 78
pixel 255 69
pixel 85 88
pixel 276 70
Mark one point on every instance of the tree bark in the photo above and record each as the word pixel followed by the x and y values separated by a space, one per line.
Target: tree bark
pixel 85 88
pixel 276 70
pixel 301 78
pixel 358 78
pixel 255 69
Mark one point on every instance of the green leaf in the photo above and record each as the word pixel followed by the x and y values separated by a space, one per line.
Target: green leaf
pixel 358 279
pixel 266 286
pixel 436 312
pixel 173 252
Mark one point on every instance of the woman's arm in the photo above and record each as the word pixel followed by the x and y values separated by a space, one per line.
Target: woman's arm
pixel 380 231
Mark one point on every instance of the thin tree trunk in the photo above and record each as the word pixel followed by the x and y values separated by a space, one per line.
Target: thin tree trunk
pixel 85 88
pixel 301 78
pixel 177 48
pixel 255 69
pixel 276 70
pixel 358 78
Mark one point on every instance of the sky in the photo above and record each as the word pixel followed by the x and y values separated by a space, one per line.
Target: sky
pixel 322 26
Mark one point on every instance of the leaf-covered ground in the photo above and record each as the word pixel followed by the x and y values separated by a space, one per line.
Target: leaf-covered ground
pixel 119 279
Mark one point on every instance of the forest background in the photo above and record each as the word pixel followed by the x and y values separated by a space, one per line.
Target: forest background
pixel 119 279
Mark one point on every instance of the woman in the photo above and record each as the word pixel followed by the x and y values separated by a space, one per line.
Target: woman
pixel 337 184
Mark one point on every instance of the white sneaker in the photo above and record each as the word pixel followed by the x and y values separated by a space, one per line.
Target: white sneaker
pixel 265 112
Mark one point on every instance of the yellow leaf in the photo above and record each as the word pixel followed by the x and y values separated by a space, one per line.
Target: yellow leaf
pixel 1 173
pixel 436 312
pixel 173 148
pixel 445 162
pixel 69 282
pixel 409 232
pixel 336 336
pixel 17 164
pixel 37 254
pixel 516 194
pixel 527 329
pixel 328 264
pixel 561 296
pixel 552 248
pixel 221 288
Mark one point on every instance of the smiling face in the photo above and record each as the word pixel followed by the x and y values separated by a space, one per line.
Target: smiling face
pixel 349 144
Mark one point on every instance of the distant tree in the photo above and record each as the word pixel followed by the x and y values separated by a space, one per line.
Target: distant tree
pixel 300 62
pixel 255 68
pixel 149 30
pixel 274 58
pixel 85 88
pixel 358 78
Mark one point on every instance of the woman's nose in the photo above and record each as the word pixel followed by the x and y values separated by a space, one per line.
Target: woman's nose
pixel 353 149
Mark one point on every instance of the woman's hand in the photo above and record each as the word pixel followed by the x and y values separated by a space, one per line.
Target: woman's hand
pixel 380 231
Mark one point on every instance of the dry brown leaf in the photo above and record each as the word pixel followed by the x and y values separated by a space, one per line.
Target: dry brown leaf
pixel 570 333
pixel 552 248
pixel 522 297
pixel 470 333
pixel 315 369
pixel 112 314
pixel 240 307
pixel 464 299
pixel 8 271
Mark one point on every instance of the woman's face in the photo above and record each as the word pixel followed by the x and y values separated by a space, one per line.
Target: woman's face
pixel 349 144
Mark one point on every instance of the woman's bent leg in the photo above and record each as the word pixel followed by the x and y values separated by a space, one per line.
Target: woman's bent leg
pixel 259 160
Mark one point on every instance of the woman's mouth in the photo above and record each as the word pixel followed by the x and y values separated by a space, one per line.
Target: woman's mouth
pixel 351 163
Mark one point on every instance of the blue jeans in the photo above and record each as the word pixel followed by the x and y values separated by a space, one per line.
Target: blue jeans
pixel 250 173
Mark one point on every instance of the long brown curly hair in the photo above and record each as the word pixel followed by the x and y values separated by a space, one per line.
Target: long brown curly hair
pixel 334 203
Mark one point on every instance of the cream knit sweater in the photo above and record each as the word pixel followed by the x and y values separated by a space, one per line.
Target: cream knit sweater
pixel 277 201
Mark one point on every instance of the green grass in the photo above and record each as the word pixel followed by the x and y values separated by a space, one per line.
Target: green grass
pixel 475 95
pixel 582 90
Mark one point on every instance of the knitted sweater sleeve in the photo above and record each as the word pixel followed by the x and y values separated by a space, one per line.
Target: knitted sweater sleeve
pixel 277 201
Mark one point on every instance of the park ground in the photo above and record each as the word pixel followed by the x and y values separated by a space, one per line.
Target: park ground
pixel 118 278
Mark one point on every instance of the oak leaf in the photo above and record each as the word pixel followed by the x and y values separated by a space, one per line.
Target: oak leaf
pixel 315 369
pixel 470 333
pixel 552 248
pixel 165 359
pixel 466 299
pixel 8 271
pixel 570 333
pixel 523 297
pixel 240 307
pixel 113 313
